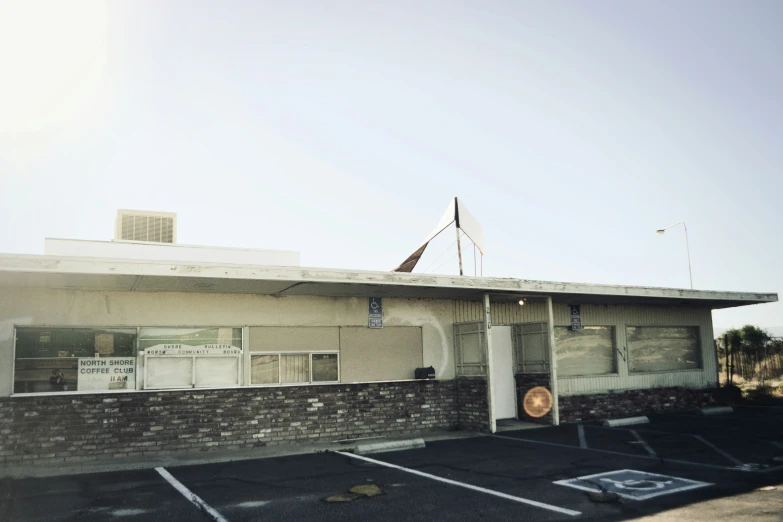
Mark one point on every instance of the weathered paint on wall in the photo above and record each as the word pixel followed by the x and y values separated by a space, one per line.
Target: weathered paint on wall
pixel 379 354
pixel 619 317
pixel 62 307
pixel 293 338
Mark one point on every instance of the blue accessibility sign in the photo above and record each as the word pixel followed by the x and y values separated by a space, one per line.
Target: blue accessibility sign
pixel 376 312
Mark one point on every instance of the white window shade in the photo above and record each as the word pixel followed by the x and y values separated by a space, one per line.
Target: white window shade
pixel 217 371
pixel 168 372
pixel 295 368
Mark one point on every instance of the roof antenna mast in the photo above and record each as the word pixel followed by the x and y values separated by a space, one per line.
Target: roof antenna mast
pixel 459 245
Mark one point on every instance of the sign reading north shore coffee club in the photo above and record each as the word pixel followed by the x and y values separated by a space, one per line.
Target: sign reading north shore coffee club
pixel 187 349
pixel 106 373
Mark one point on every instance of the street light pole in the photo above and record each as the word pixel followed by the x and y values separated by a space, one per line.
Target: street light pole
pixel 661 231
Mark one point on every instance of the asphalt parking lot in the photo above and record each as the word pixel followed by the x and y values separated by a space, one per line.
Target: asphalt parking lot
pixel 680 466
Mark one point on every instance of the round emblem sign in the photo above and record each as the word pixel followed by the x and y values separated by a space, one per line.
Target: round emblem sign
pixel 537 402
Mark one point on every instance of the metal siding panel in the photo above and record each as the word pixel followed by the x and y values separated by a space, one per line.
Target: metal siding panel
pixel 508 313
pixel 532 313
pixel 620 317
pixel 468 312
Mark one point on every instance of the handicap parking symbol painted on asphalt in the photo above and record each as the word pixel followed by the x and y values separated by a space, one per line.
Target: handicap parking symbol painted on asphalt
pixel 634 485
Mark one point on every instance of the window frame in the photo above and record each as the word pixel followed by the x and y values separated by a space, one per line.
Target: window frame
pixel 615 362
pixel 459 365
pixel 280 355
pixel 240 358
pixel 17 327
pixel 140 373
pixel 699 349
pixel 519 348
pixel 193 358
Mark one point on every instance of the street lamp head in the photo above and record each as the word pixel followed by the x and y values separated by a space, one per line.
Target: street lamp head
pixel 660 232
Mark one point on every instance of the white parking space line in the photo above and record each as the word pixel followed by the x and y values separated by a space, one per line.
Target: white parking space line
pixel 776 443
pixel 663 432
pixel 713 446
pixel 582 440
pixel 506 496
pixel 192 497
pixel 631 455
pixel 644 443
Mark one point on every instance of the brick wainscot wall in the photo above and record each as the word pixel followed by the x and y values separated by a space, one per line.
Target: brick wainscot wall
pixel 627 403
pixel 65 428
pixel 473 413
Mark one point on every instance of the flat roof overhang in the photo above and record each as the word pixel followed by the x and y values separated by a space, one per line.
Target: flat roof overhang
pixel 124 275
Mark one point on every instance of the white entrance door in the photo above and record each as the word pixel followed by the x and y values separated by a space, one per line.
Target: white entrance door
pixel 503 385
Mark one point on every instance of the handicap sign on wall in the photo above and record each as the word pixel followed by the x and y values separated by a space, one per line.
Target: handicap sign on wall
pixel 576 317
pixel 376 312
pixel 634 485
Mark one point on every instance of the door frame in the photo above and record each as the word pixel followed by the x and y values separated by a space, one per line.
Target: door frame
pixel 513 374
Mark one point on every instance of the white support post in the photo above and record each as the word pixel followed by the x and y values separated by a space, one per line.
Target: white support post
pixel 553 364
pixel 488 337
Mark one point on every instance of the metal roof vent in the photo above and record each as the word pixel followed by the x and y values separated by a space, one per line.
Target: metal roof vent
pixel 140 225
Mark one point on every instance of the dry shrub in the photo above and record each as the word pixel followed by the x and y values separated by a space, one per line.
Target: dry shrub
pixel 762 393
pixel 729 393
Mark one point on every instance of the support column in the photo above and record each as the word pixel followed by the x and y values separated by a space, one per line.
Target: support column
pixel 553 364
pixel 488 337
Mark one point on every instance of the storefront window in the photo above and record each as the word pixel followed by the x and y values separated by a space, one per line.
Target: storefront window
pixel 265 369
pixel 663 348
pixel 325 367
pixel 191 357
pixel 293 368
pixel 587 351
pixel 74 359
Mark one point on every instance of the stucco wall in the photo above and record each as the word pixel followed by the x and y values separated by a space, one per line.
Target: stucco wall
pixel 389 353
pixel 84 308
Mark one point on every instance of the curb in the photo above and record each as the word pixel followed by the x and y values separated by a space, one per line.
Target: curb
pixel 611 423
pixel 392 445
pixel 716 410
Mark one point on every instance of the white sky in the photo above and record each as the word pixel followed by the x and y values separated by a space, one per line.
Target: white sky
pixel 571 130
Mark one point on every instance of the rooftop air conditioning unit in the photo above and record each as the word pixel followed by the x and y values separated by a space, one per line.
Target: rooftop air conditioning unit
pixel 140 225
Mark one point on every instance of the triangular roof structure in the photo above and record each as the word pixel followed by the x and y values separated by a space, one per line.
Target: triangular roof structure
pixel 455 213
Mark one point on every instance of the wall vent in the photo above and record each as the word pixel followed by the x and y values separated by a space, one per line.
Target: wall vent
pixel 140 225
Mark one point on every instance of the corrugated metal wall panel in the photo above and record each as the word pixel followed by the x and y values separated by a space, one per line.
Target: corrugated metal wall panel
pixel 619 317
pixel 513 313
pixel 622 316
pixel 468 311
pixel 507 312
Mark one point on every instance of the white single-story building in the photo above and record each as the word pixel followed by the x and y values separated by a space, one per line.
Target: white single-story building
pixel 135 347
